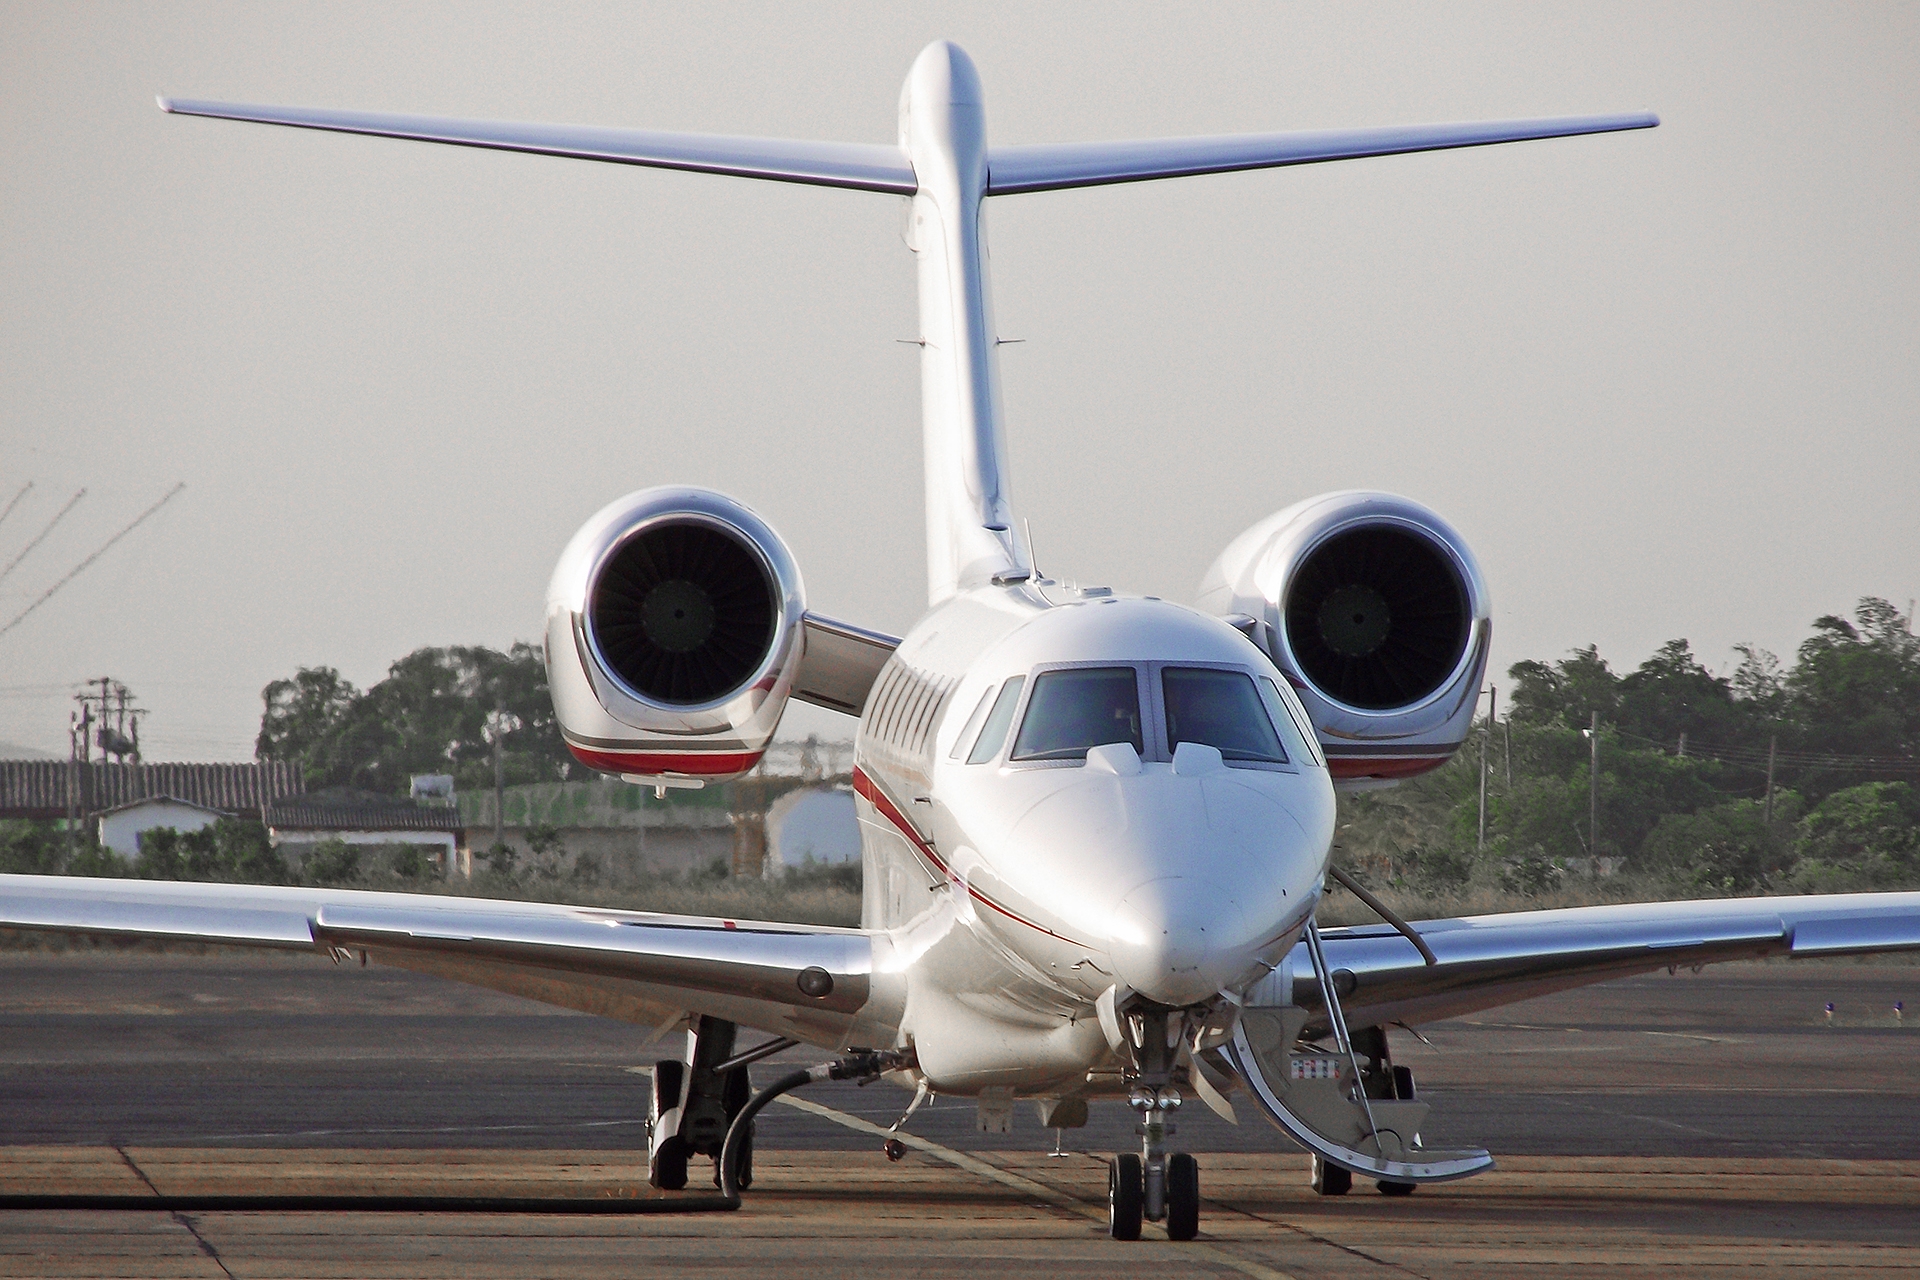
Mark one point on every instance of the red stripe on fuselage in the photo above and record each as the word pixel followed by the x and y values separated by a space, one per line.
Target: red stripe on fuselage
pixel 867 787
pixel 705 764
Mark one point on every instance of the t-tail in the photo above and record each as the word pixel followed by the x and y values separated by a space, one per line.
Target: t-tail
pixel 943 162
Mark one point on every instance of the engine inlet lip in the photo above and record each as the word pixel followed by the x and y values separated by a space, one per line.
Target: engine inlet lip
pixel 779 591
pixel 1473 600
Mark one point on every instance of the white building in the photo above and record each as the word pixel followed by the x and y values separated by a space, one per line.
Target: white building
pixel 812 825
pixel 121 826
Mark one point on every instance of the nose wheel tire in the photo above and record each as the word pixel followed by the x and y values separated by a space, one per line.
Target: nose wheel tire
pixel 1126 1192
pixel 1395 1188
pixel 1331 1179
pixel 1183 1197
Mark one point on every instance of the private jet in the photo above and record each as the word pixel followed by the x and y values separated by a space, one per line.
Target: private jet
pixel 1096 826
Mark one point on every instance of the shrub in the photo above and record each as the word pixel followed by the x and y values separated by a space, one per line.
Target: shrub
pixel 230 850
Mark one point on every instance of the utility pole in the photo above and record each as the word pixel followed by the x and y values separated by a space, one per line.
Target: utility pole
pixel 1593 788
pixel 76 734
pixel 1486 746
pixel 1773 746
pixel 1506 727
pixel 499 791
pixel 500 723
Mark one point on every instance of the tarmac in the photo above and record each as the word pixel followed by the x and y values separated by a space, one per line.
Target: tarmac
pixel 1717 1122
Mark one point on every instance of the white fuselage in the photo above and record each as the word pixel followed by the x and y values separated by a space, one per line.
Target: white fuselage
pixel 1015 892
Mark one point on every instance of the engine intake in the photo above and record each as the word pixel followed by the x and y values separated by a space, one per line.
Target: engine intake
pixel 1374 608
pixel 683 612
pixel 1377 617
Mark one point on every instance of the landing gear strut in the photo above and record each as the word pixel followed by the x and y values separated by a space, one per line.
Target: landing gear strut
pixel 694 1101
pixel 1153 1185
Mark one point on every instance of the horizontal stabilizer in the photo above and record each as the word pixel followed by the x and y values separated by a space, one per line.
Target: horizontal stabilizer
pixel 1051 166
pixel 862 166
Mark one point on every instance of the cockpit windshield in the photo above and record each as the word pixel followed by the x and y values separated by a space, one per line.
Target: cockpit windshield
pixel 1219 709
pixel 1079 708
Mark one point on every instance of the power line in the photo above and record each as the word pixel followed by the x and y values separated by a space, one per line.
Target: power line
pixel 23 493
pixel 79 568
pixel 1756 757
pixel 58 517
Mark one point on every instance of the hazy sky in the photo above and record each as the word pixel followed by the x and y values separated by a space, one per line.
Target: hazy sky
pixel 1665 383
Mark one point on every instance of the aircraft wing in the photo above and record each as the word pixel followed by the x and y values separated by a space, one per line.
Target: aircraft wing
pixel 811 983
pixel 1487 961
pixel 839 662
pixel 863 166
pixel 1052 166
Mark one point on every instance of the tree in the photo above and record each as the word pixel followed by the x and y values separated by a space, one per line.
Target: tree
pixel 1855 688
pixel 1671 694
pixel 32 848
pixel 1865 837
pixel 428 716
pixel 1728 848
pixel 301 712
pixel 1566 693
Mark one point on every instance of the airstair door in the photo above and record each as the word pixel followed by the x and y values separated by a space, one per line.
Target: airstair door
pixel 1312 1095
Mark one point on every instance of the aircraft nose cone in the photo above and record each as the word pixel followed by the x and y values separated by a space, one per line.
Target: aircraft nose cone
pixel 1178 940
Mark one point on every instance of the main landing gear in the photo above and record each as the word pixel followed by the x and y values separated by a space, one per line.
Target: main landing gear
pixel 1154 1186
pixel 695 1101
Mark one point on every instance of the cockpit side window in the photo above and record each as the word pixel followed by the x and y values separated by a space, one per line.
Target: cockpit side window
pixel 999 720
pixel 1078 708
pixel 973 722
pixel 1307 742
pixel 1220 709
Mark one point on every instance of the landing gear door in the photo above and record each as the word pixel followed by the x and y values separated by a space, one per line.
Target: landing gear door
pixel 1311 1095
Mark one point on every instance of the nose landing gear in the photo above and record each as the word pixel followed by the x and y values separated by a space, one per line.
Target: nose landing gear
pixel 1154 1185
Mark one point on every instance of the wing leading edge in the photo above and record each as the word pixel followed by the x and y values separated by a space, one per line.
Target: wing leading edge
pixel 1487 961
pixel 862 166
pixel 882 167
pixel 1054 166
pixel 815 984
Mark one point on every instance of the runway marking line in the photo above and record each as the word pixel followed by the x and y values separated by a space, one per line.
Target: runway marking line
pixel 1026 1186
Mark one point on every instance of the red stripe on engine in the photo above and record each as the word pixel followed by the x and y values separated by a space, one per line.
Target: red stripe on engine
pixel 705 764
pixel 1400 767
pixel 867 787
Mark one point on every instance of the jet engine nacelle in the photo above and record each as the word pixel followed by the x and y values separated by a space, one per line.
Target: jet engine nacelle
pixel 673 635
pixel 1374 609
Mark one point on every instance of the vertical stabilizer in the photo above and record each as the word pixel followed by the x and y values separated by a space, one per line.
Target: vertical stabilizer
pixel 970 530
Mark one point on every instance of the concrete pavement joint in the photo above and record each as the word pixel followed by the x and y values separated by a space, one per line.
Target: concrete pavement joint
pixel 1026 1186
pixel 182 1220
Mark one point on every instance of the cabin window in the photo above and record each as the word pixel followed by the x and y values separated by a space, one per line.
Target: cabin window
pixel 1079 708
pixel 1220 709
pixel 998 721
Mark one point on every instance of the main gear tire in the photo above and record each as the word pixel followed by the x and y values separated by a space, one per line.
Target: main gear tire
pixel 667 1170
pixel 1183 1197
pixel 1330 1179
